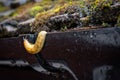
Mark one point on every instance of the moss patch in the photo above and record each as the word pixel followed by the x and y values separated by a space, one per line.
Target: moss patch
pixel 35 10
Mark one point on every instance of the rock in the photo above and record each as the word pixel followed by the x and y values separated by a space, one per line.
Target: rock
pixel 60 21
pixel 9 22
pixel 24 27
pixel 13 3
pixel 8 29
pixel 17 3
pixel 6 13
pixel 6 2
pixel 107 14
pixel 116 1
pixel 27 21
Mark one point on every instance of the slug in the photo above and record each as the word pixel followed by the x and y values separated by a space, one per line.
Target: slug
pixel 37 46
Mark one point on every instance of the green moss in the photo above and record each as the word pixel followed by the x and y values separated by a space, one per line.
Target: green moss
pixel 3 8
pixel 35 10
pixel 82 3
pixel 58 7
pixel 43 16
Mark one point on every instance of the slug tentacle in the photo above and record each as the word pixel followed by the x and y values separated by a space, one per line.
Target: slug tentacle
pixel 37 46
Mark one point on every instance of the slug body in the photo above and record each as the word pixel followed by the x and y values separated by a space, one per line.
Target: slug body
pixel 37 46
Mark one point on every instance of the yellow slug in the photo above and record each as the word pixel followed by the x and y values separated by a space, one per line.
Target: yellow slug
pixel 37 46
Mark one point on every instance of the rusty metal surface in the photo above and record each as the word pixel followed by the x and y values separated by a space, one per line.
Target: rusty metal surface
pixel 85 52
